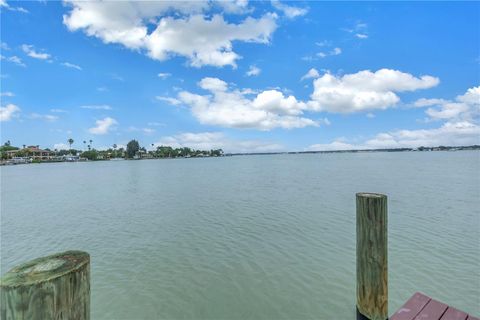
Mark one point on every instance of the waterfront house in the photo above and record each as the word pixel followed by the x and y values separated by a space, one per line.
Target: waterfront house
pixel 32 152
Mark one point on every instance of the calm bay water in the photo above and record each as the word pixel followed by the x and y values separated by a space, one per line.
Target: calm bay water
pixel 248 237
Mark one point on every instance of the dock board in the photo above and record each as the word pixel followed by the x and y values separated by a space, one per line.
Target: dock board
pixel 422 307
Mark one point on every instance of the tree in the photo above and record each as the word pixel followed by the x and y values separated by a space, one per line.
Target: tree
pixel 132 148
pixel 90 155
pixel 70 142
pixel 84 144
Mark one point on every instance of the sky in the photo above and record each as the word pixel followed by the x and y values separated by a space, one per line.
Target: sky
pixel 241 76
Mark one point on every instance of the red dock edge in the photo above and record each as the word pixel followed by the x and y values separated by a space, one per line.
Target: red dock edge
pixel 420 306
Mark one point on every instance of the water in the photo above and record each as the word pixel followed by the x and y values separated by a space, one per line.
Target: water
pixel 248 237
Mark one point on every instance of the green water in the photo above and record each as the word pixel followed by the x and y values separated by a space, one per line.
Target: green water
pixel 248 237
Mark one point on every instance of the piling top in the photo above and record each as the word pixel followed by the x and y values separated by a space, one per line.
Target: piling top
pixel 45 269
pixel 370 195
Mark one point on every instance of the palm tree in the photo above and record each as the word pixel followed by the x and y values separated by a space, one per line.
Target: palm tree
pixel 114 150
pixel 90 141
pixel 70 142
pixel 88 147
pixel 24 146
pixel 84 144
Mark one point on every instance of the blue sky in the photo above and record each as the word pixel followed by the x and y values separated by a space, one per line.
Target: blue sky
pixel 242 76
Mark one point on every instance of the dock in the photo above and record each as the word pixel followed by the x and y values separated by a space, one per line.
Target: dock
pixel 420 306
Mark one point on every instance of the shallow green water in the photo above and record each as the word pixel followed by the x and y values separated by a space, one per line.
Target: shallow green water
pixel 248 237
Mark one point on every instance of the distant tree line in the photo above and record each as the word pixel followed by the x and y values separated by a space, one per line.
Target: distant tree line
pixel 133 150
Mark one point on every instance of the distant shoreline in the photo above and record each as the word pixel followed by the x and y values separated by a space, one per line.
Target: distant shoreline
pixel 420 149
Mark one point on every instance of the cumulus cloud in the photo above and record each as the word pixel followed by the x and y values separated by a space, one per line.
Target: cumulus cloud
pixel 217 140
pixel 449 134
pixel 71 65
pixel 30 51
pixel 8 112
pixel 364 90
pixel 103 126
pixel 463 107
pixel 269 109
pixel 289 11
pixel 189 33
pixel 232 108
pixel 460 127
pixel 312 73
pixel 253 71
pixel 7 94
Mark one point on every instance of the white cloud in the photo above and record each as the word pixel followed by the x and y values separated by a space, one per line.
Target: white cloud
pixel 169 100
pixel 4 45
pixel 359 30
pixel 464 107
pixel 364 90
pixel 449 134
pixel 7 94
pixel 460 127
pixel 102 89
pixel 103 126
pixel 268 109
pixel 289 11
pixel 334 52
pixel 164 75
pixel 312 73
pixel 332 146
pixel 4 4
pixel 420 103
pixel 45 117
pixel 217 140
pixel 97 107
pixel 8 112
pixel 253 71
pixel 30 51
pixel 232 108
pixel 204 41
pixel 14 59
pixel 71 65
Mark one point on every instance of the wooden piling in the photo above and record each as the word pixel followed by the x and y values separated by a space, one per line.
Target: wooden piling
pixel 53 287
pixel 372 271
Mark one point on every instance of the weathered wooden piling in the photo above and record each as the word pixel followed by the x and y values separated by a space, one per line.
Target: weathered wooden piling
pixel 53 287
pixel 372 271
